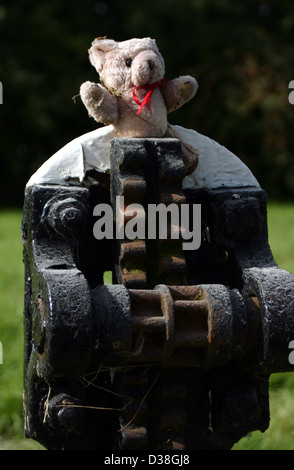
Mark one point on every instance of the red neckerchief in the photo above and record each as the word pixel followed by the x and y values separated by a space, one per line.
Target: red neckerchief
pixel 151 87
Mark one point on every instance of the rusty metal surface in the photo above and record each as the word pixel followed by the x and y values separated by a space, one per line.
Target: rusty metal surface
pixel 143 175
pixel 177 353
pixel 205 326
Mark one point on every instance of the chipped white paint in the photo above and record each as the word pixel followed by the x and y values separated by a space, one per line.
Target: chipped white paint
pixel 71 162
pixel 217 166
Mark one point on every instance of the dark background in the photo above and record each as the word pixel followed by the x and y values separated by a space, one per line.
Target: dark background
pixel 240 51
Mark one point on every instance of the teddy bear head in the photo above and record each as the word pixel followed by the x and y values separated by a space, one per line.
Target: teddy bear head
pixel 127 64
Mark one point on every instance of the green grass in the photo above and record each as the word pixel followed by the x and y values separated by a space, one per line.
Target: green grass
pixel 281 234
pixel 11 332
pixel 280 435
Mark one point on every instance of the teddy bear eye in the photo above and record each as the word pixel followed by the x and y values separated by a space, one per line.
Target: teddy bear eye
pixel 129 62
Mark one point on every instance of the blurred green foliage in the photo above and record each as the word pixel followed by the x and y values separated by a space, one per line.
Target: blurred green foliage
pixel 240 52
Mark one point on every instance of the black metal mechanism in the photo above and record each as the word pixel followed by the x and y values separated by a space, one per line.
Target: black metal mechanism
pixel 177 352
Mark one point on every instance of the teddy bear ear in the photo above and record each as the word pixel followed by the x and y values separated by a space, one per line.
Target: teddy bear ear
pixel 151 43
pixel 98 50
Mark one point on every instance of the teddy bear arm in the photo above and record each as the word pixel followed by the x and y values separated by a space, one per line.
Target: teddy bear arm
pixel 100 104
pixel 178 91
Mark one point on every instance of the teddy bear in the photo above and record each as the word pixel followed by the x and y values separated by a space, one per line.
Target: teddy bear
pixel 133 100
pixel 133 94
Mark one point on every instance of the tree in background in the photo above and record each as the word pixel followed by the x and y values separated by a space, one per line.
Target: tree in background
pixel 240 52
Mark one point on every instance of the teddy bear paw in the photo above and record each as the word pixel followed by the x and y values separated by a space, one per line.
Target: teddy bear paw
pixel 187 87
pixel 90 92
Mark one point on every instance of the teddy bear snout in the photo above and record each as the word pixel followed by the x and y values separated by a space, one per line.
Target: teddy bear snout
pixel 151 64
pixel 147 68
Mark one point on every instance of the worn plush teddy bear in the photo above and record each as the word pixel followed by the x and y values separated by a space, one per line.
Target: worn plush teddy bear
pixel 133 95
pixel 134 99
